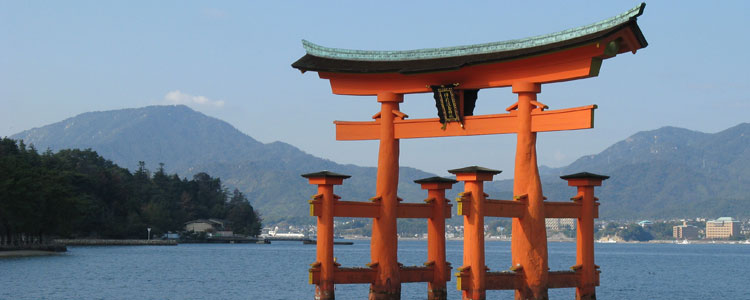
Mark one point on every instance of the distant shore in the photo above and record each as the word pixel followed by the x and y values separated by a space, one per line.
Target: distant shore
pixel 111 242
pixel 573 240
pixel 32 250
pixel 26 253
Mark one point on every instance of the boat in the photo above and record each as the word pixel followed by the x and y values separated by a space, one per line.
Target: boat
pixel 607 241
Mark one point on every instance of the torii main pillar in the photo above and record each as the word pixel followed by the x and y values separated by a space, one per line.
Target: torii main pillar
pixel 529 234
pixel 384 245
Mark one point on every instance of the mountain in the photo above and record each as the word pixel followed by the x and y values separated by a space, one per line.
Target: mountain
pixel 663 173
pixel 188 142
pixel 668 172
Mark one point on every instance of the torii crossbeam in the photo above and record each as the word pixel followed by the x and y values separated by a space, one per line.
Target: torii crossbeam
pixel 455 75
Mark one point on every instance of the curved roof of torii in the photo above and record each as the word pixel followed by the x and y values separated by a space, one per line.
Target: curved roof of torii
pixel 319 58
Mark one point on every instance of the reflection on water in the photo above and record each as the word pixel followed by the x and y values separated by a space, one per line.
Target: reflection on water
pixel 279 271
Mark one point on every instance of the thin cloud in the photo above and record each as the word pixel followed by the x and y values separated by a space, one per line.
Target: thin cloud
pixel 177 97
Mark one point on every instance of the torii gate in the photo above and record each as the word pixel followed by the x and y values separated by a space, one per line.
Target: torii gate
pixel 455 75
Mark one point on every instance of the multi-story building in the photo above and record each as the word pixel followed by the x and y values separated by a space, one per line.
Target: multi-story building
pixel 685 231
pixel 559 224
pixel 722 228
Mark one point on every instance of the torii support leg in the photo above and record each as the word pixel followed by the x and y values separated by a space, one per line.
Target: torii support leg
pixel 529 239
pixel 436 289
pixel 585 182
pixel 585 244
pixel 384 244
pixel 474 241
pixel 324 290
pixel 474 269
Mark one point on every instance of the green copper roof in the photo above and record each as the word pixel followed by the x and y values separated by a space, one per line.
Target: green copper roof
pixel 435 53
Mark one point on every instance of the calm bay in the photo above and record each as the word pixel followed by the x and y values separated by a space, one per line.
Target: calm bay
pixel 279 271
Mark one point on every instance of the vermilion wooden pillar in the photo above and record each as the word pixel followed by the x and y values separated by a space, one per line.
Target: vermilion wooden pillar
pixel 585 182
pixel 384 244
pixel 529 235
pixel 324 250
pixel 473 211
pixel 436 186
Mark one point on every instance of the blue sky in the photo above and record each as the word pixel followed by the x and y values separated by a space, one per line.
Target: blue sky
pixel 231 60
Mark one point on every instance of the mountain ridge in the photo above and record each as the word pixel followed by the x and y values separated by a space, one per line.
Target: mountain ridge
pixel 664 172
pixel 186 142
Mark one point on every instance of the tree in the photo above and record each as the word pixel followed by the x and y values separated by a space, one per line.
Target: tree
pixel 635 233
pixel 240 213
pixel 77 193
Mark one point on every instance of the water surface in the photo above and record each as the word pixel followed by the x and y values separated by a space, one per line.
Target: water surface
pixel 279 271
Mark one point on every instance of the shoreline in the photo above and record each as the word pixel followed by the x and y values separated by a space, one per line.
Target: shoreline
pixel 572 240
pixel 113 242
pixel 27 253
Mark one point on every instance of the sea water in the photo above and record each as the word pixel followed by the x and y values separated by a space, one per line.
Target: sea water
pixel 279 271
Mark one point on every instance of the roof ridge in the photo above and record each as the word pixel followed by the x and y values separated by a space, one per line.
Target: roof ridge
pixel 476 49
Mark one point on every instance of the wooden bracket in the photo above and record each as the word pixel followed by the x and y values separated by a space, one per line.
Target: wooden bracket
pixel 399 114
pixel 577 197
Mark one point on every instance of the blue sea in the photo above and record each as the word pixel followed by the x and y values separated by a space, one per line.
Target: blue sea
pixel 279 271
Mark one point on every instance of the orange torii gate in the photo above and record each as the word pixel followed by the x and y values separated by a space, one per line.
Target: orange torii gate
pixel 455 75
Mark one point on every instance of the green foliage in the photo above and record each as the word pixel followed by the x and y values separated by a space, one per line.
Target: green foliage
pixel 354 226
pixel 412 227
pixel 664 174
pixel 189 142
pixel 77 193
pixel 663 230
pixel 499 226
pixel 635 233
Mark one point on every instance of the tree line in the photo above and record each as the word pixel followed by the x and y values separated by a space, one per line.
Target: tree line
pixel 78 194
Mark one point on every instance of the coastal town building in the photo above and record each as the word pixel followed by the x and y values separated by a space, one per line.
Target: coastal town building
pixel 203 225
pixel 559 224
pixel 685 231
pixel 722 228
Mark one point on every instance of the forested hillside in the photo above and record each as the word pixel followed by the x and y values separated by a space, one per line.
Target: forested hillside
pixel 666 173
pixel 77 193
pixel 188 142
